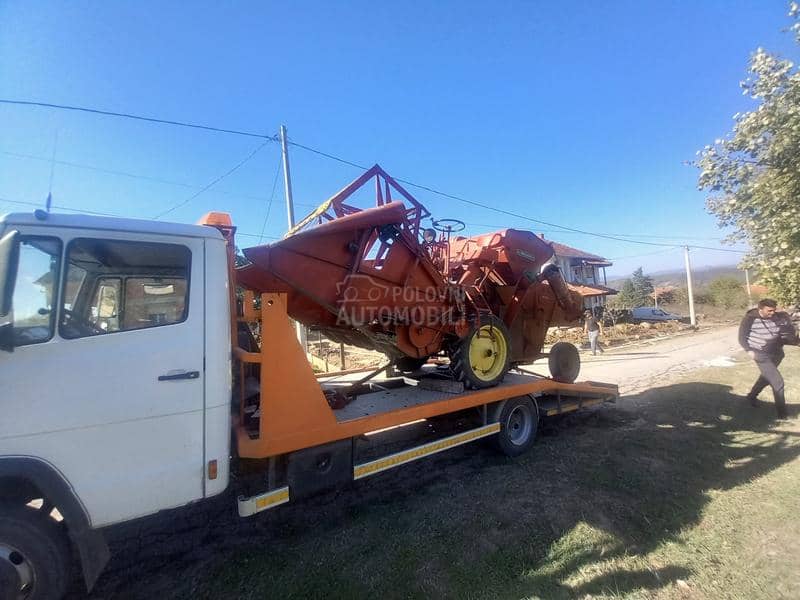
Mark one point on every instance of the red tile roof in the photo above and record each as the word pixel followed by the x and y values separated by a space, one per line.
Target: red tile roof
pixel 570 252
pixel 592 290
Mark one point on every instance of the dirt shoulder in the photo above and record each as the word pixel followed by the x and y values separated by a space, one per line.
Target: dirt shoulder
pixel 641 364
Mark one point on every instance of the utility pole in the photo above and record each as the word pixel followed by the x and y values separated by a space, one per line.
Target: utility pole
pixel 287 178
pixel 287 188
pixel 749 293
pixel 692 318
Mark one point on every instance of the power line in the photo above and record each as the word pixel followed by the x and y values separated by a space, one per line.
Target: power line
pixel 261 235
pixel 109 113
pixel 77 210
pixel 665 251
pixel 693 247
pixel 115 215
pixel 212 183
pixel 332 157
pixel 132 175
pixel 485 206
pixel 338 159
pixel 486 226
pixel 665 237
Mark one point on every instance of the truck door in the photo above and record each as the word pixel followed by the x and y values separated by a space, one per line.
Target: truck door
pixel 111 377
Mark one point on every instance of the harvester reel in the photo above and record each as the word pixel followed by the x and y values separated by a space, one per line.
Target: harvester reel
pixel 480 358
pixel 564 362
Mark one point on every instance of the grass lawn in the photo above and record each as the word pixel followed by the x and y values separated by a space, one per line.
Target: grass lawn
pixel 684 491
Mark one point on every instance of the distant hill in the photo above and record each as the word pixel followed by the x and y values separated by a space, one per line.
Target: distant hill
pixel 700 276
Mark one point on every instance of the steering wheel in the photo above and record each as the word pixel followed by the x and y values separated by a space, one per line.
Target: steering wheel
pixel 80 326
pixel 448 225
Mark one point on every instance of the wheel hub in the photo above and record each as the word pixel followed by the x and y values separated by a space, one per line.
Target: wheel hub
pixel 519 425
pixel 16 572
pixel 487 352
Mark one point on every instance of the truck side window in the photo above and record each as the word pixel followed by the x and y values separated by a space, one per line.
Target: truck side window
pixel 37 280
pixel 125 286
pixel 153 301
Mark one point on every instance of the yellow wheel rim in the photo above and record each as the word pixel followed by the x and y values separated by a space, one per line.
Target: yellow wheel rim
pixel 488 350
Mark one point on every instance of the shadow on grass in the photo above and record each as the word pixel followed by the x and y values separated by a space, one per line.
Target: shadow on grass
pixel 566 520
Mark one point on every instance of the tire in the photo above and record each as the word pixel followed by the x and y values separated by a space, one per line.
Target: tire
pixel 409 364
pixel 519 422
pixel 480 358
pixel 37 550
pixel 564 362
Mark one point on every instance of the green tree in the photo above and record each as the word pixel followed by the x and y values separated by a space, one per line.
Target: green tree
pixel 635 291
pixel 642 286
pixel 727 292
pixel 753 175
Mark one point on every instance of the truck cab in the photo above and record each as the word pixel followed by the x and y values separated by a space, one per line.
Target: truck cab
pixel 115 371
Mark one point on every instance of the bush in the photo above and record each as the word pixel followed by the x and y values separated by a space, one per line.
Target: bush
pixel 727 292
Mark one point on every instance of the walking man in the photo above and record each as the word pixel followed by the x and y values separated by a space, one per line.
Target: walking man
pixel 593 328
pixel 763 333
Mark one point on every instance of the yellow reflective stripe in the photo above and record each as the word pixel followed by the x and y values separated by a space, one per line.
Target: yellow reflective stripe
pixel 271 499
pixel 394 460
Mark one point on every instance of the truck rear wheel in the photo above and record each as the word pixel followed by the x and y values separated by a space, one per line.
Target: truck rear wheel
pixel 519 421
pixel 34 555
pixel 480 358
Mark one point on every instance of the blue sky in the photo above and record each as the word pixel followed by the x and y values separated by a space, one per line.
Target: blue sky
pixel 580 114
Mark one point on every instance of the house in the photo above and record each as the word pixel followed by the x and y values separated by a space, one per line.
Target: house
pixel 585 272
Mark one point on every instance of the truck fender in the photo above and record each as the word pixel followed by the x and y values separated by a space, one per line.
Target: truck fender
pixel 90 543
pixel 494 410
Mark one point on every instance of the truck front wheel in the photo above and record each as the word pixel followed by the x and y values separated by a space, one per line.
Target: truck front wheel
pixel 34 555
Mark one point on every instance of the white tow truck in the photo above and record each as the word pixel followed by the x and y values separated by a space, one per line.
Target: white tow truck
pixel 122 388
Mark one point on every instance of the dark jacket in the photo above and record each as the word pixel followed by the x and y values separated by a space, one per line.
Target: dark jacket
pixel 787 333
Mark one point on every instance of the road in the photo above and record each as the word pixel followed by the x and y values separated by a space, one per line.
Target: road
pixel 639 366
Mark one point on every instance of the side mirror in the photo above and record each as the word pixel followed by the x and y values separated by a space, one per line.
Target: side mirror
pixel 9 261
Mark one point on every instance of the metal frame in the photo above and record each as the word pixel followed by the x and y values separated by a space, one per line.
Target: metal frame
pixel 335 207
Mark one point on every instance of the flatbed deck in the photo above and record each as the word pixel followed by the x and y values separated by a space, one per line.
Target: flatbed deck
pixel 389 396
pixel 410 434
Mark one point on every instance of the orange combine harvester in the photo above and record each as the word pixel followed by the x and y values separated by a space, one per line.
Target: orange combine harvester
pixel 377 279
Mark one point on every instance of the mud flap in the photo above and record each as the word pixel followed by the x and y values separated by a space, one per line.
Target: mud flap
pixel 321 468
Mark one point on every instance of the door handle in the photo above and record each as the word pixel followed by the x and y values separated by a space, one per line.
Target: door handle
pixel 176 376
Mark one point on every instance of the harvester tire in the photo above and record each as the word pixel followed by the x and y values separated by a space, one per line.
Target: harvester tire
pixel 480 358
pixel 564 362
